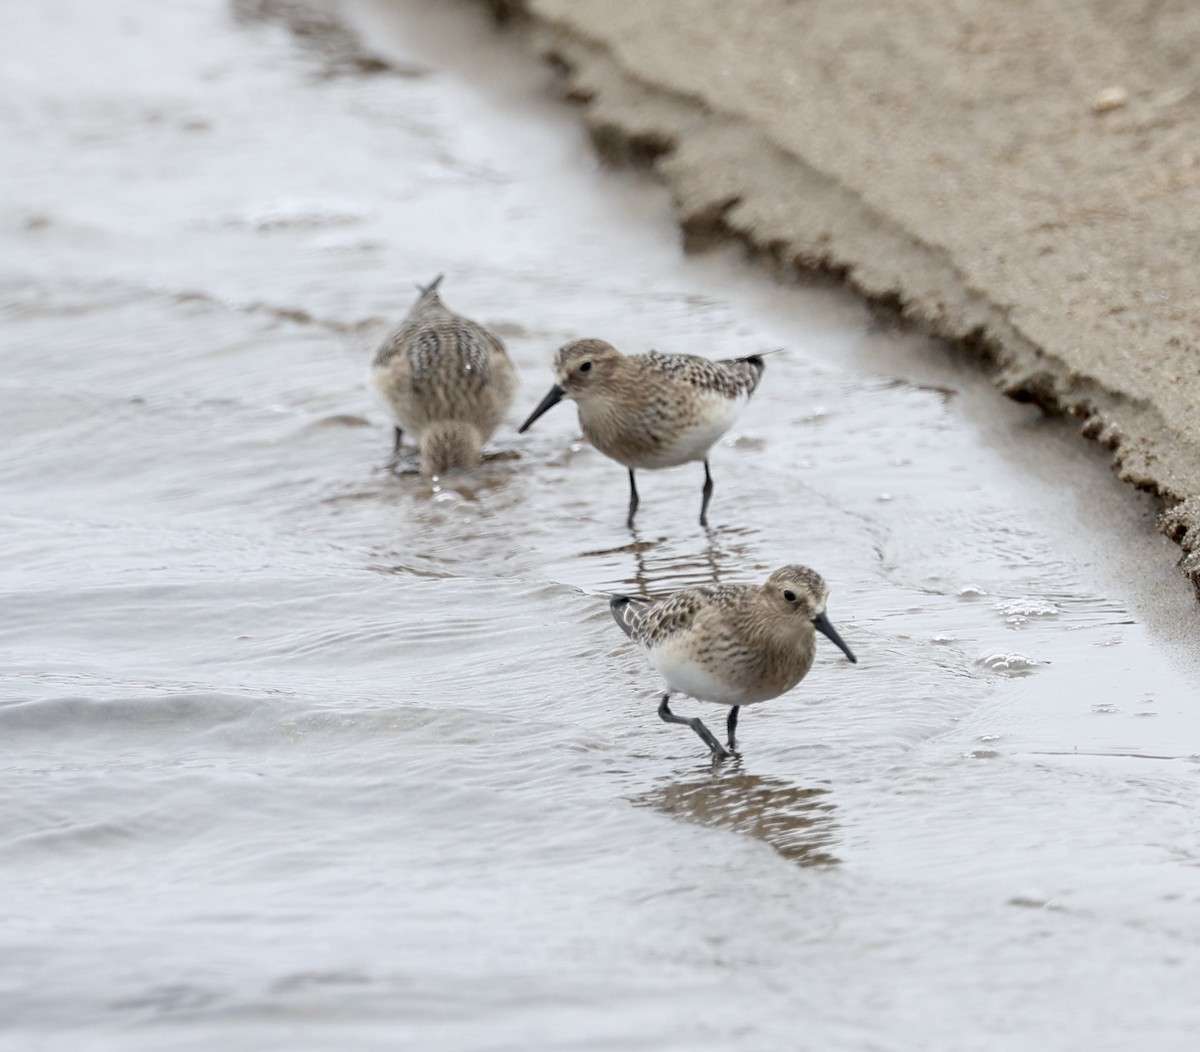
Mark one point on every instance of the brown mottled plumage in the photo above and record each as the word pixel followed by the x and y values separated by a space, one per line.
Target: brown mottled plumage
pixel 733 644
pixel 651 410
pixel 446 379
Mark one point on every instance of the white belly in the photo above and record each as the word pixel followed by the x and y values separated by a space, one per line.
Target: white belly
pixel 686 676
pixel 694 441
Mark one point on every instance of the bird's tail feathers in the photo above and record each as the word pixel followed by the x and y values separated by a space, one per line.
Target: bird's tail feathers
pixel 625 610
pixel 752 366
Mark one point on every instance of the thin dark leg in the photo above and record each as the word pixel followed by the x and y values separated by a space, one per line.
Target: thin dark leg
pixel 664 711
pixel 731 724
pixel 633 500
pixel 708 488
pixel 396 446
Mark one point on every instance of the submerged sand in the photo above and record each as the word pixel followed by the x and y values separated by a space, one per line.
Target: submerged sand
pixel 1022 178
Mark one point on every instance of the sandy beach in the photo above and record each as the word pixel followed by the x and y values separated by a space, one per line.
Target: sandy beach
pixel 1022 180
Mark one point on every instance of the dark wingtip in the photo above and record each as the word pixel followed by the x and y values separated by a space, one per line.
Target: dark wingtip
pixel 759 360
pixel 432 287
pixel 756 363
pixel 618 606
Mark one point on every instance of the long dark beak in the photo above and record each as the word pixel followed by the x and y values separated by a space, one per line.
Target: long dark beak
pixel 822 625
pixel 552 399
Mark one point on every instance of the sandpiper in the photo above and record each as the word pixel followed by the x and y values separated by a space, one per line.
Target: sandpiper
pixel 446 379
pixel 733 644
pixel 651 410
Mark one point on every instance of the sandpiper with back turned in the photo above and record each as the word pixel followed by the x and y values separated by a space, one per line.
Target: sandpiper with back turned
pixel 651 410
pixel 446 379
pixel 733 644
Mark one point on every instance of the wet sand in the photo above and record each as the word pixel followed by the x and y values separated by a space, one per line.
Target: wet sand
pixel 1024 181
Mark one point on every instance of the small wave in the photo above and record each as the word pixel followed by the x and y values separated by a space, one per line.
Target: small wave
pixel 1009 664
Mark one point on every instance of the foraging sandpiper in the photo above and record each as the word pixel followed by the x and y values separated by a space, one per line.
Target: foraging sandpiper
pixel 446 379
pixel 651 410
pixel 733 644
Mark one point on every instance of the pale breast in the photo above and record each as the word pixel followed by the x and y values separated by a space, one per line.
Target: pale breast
pixel 662 430
pixel 695 435
pixel 724 654
pixel 685 675
pixel 724 671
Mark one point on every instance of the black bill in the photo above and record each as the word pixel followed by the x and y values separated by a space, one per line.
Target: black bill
pixel 552 399
pixel 822 625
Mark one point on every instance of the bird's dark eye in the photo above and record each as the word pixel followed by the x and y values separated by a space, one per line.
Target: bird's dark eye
pixel 789 595
pixel 586 367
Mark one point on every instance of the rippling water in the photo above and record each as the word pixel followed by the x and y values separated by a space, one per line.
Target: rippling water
pixel 299 752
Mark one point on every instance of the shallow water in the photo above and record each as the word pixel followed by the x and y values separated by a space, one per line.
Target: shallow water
pixel 302 753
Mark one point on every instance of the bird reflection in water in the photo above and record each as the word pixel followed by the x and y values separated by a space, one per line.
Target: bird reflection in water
pixel 796 822
pixel 661 566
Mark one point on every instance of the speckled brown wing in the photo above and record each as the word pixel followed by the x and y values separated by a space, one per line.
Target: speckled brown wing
pixel 441 366
pixel 650 621
pixel 627 611
pixel 454 354
pixel 746 372
pixel 394 343
pixel 730 377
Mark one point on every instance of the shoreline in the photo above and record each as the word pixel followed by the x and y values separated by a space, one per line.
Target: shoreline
pixel 1074 296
